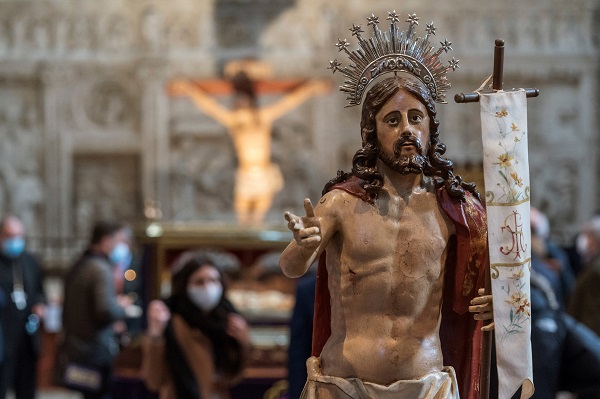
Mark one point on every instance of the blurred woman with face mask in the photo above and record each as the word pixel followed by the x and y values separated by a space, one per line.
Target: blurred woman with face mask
pixel 196 344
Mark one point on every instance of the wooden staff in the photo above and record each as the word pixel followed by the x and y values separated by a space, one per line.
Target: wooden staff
pixel 496 78
pixel 487 342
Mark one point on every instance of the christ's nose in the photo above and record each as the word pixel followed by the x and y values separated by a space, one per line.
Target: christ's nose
pixel 405 127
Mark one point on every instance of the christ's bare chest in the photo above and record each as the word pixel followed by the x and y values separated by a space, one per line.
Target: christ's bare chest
pixel 410 236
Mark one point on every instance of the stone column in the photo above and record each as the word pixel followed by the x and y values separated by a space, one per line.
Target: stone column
pixel 56 79
pixel 151 75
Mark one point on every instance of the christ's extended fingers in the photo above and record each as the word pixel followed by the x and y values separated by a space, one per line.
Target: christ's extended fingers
pixel 308 207
pixel 293 221
pixel 311 240
pixel 290 217
pixel 488 327
pixel 309 232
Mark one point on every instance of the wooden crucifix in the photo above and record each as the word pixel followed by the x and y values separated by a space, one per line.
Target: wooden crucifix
pixel 249 125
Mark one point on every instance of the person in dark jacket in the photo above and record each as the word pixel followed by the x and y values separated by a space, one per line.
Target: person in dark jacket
pixel 301 329
pixel 21 283
pixel 2 305
pixel 549 259
pixel 585 301
pixel 91 312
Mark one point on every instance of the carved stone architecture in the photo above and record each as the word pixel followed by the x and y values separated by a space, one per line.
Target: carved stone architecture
pixel 87 129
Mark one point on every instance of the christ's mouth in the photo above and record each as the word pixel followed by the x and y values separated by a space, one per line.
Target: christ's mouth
pixel 407 143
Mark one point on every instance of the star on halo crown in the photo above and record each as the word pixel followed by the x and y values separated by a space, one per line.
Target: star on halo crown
pixel 393 51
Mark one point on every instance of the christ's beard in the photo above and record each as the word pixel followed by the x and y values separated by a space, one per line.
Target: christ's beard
pixel 405 164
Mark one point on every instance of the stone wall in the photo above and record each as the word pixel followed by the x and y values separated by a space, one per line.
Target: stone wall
pixel 87 129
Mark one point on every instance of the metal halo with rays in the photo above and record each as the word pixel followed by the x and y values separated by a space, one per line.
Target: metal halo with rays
pixel 393 51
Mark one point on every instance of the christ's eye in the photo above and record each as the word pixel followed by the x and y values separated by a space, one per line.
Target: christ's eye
pixel 416 118
pixel 393 121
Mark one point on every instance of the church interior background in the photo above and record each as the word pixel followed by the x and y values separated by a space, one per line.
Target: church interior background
pixel 88 130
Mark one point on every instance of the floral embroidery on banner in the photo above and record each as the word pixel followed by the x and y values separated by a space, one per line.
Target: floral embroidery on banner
pixel 512 186
pixel 514 191
pixel 520 312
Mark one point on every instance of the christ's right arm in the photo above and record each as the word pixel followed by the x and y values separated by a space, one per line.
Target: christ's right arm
pixel 312 233
pixel 203 101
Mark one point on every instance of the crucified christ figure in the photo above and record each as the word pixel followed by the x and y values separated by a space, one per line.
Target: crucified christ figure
pixel 257 178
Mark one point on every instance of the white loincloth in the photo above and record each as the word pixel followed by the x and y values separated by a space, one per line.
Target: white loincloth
pixel 258 181
pixel 440 385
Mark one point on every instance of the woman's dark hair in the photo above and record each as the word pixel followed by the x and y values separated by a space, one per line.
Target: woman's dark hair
pixel 228 352
pixel 364 163
pixel 187 264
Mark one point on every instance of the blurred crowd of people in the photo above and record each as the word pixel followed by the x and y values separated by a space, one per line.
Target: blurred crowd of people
pixel 196 344
pixel 565 344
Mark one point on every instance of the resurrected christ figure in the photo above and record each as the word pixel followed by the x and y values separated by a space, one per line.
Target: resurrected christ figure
pixel 402 243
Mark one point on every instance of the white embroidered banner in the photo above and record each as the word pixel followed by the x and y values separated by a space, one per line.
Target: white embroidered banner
pixel 506 172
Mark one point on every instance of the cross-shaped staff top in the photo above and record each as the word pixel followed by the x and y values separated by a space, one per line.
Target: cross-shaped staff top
pixel 496 77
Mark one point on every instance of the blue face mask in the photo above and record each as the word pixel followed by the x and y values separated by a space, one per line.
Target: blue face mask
pixel 13 247
pixel 120 255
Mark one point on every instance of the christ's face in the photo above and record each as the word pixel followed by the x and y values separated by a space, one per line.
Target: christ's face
pixel 403 132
